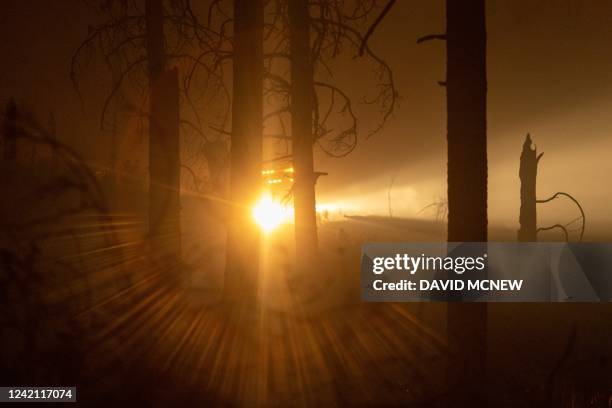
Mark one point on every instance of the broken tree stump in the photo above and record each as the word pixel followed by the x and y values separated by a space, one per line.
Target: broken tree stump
pixel 528 174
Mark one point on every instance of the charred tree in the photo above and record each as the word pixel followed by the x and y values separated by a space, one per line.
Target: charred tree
pixel 528 173
pixel 310 35
pixel 466 88
pixel 302 106
pixel 528 217
pixel 242 259
pixel 10 132
pixel 164 160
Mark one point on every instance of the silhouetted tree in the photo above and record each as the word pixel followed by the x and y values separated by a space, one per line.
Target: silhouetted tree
pixel 317 33
pixel 164 144
pixel 528 174
pixel 302 106
pixel 466 90
pixel 143 44
pixel 528 171
pixel 242 258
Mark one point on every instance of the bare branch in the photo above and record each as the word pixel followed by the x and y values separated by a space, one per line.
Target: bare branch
pixel 559 226
pixel 431 37
pixel 561 193
pixel 373 27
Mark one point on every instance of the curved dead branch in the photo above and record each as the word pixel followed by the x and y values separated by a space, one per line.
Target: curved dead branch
pixel 431 37
pixel 582 214
pixel 387 95
pixel 373 27
pixel 556 226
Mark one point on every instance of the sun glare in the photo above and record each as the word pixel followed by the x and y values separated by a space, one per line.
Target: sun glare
pixel 269 213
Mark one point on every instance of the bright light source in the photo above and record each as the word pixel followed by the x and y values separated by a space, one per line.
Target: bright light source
pixel 326 207
pixel 269 214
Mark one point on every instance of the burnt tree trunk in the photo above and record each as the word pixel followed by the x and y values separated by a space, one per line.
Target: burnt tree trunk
pixel 466 87
pixel 242 259
pixel 528 174
pixel 164 143
pixel 301 131
pixel 10 132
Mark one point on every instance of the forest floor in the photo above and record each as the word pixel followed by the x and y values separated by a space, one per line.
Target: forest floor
pixel 313 342
pixel 84 304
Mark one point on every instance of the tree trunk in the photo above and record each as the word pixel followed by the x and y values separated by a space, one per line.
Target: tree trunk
pixel 467 185
pixel 164 143
pixel 301 131
pixel 10 132
pixel 242 262
pixel 528 174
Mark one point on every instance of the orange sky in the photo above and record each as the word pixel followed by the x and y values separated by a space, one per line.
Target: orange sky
pixel 549 73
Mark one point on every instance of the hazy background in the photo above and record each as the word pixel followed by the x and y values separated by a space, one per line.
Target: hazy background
pixel 549 73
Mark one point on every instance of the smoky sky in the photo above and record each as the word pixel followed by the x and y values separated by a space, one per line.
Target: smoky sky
pixel 549 73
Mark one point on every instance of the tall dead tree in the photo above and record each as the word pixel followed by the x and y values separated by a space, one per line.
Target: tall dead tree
pixel 10 131
pixel 242 262
pixel 466 90
pixel 528 218
pixel 528 174
pixel 302 106
pixel 310 35
pixel 466 93
pixel 138 40
pixel 164 160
